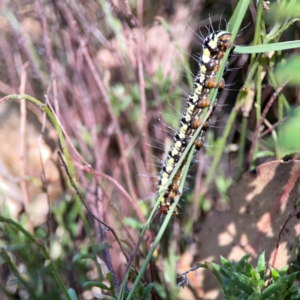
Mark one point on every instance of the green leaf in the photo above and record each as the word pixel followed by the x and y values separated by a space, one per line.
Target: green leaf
pixel 135 224
pixel 216 269
pixel 284 12
pixel 269 291
pixel 291 278
pixel 254 296
pixel 275 274
pixel 147 292
pixel 292 289
pixel 289 71
pixel 267 48
pixel 238 15
pixel 241 281
pixel 242 296
pixel 72 294
pixel 261 265
pixel 140 290
pixel 249 269
pixel 265 153
pixel 288 134
pixel 282 284
pixel 224 261
pixel 241 264
pixel 89 284
pixel 80 256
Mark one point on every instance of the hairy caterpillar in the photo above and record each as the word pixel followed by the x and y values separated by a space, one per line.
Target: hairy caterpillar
pixel 213 50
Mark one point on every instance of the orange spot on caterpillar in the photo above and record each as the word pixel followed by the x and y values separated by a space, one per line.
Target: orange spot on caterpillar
pixel 204 103
pixel 211 83
pixel 214 48
pixel 164 209
pixel 216 68
pixel 220 55
pixel 199 144
pixel 205 125
pixel 175 189
pixel 196 123
pixel 225 42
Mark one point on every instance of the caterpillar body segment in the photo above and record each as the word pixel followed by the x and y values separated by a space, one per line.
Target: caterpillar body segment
pixel 213 50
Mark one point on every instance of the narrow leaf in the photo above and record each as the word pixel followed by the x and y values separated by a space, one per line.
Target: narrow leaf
pixel 261 265
pixel 267 48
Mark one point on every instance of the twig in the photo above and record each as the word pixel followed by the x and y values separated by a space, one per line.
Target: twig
pixel 10 66
pixel 198 185
pixel 98 210
pixel 292 214
pixel 28 49
pixel 128 234
pixel 73 26
pixel 132 18
pixel 184 282
pixel 22 152
pixel 65 133
pixel 139 48
pixel 260 122
pixel 43 175
pixel 87 208
pixel 89 169
pixel 49 53
pixel 273 127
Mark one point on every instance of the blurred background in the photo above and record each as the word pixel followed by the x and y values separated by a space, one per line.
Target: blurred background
pixel 116 76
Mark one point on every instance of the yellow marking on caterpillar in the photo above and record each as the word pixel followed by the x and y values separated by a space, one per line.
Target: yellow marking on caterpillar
pixel 206 56
pixel 177 145
pixel 213 44
pixel 198 89
pixel 203 69
pixel 174 152
pixel 190 109
pixel 210 59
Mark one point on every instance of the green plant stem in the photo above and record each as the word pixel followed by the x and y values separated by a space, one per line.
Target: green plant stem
pixel 243 137
pixel 276 31
pixel 34 56
pixel 216 271
pixel 238 17
pixel 257 33
pixel 41 245
pixel 222 142
pixel 163 227
pixel 16 273
pixel 258 107
pixel 180 162
pixel 236 20
pixel 275 85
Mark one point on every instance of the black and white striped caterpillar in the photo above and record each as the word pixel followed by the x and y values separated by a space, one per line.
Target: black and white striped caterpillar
pixel 213 50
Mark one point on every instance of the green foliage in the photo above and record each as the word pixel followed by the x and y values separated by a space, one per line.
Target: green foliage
pixel 286 142
pixel 242 281
pixel 222 184
pixel 289 71
pixel 288 134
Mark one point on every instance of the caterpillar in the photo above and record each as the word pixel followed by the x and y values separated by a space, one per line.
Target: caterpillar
pixel 213 50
